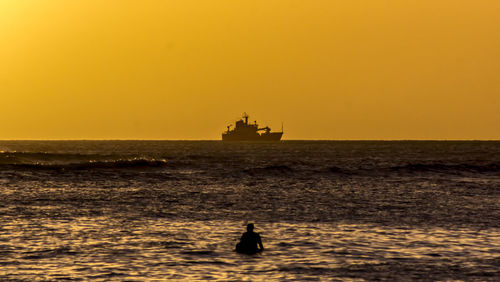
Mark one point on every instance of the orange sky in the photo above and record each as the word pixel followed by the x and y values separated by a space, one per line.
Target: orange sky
pixel 118 69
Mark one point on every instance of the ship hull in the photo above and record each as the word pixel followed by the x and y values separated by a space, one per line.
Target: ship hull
pixel 272 136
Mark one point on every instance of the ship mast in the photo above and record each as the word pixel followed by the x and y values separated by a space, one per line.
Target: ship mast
pixel 245 116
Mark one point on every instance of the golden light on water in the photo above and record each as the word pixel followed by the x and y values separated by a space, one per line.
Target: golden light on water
pixel 185 69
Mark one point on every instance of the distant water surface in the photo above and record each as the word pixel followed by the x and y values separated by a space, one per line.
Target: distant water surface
pixel 351 210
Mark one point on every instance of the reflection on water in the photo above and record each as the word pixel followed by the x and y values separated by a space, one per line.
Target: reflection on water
pixel 120 248
pixel 145 210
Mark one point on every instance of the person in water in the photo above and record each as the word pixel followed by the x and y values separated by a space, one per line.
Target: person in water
pixel 250 242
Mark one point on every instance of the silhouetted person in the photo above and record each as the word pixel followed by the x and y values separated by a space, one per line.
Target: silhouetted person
pixel 250 242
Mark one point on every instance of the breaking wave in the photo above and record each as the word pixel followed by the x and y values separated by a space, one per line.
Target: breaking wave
pixel 118 164
pixel 57 161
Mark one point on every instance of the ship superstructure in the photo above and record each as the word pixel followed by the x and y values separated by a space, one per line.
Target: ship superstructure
pixel 243 131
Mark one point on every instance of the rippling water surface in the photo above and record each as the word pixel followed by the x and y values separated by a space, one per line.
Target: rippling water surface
pixel 135 210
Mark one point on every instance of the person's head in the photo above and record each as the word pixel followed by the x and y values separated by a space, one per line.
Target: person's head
pixel 250 227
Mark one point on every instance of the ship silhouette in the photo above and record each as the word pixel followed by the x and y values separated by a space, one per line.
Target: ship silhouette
pixel 243 131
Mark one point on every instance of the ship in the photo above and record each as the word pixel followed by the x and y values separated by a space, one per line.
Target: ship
pixel 243 131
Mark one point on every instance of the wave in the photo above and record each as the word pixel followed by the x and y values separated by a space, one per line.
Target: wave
pixel 285 170
pixel 79 161
pixel 438 167
pixel 113 164
pixel 46 157
pixel 75 161
pixel 272 169
pixel 417 168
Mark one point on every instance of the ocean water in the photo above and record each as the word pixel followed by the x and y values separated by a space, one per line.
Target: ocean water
pixel 326 210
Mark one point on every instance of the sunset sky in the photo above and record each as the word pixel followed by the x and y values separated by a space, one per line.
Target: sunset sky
pixel 333 69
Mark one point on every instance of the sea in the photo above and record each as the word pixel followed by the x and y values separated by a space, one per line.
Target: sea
pixel 174 210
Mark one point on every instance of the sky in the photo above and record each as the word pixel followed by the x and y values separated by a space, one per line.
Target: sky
pixel 184 69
